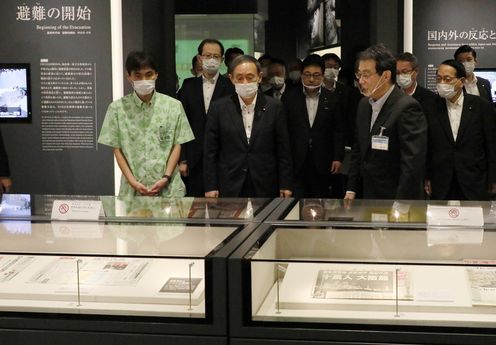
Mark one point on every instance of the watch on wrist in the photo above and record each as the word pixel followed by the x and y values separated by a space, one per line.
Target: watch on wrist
pixel 167 177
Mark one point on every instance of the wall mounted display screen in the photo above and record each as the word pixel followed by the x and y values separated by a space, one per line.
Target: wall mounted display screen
pixel 489 74
pixel 15 92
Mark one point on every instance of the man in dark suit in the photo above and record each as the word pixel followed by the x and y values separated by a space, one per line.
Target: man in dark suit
pixel 277 79
pixel 5 180
pixel 406 78
pixel 462 148
pixel 477 86
pixel 247 152
pixel 196 96
pixel 388 157
pixel 316 131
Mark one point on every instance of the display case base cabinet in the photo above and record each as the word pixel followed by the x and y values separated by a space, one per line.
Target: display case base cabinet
pixel 35 337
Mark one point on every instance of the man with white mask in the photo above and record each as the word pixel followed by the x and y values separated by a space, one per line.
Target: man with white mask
pixel 461 161
pixel 315 127
pixel 388 157
pixel 277 79
pixel 247 151
pixel 196 95
pixel 477 86
pixel 406 78
pixel 146 130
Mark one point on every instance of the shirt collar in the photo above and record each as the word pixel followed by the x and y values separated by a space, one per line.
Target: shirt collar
pixel 380 102
pixel 471 83
pixel 247 107
pixel 457 103
pixel 139 103
pixel 213 80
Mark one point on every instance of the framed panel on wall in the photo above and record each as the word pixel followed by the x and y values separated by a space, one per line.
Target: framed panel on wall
pixel 15 92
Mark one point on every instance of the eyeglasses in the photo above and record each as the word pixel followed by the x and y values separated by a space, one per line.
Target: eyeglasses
pixel 446 79
pixel 211 56
pixel 312 75
pixel 365 75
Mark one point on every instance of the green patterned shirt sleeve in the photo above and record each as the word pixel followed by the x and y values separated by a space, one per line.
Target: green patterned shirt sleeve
pixel 109 134
pixel 183 129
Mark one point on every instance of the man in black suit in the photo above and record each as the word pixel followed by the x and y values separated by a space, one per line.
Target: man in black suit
pixel 462 149
pixel 316 131
pixel 277 79
pixel 477 86
pixel 388 157
pixel 5 180
pixel 406 78
pixel 247 152
pixel 196 96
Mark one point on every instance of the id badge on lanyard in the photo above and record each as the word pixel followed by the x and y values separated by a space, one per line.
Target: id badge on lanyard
pixel 380 142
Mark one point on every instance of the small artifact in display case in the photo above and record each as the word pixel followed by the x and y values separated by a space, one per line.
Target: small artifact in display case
pixel 180 285
pixel 361 284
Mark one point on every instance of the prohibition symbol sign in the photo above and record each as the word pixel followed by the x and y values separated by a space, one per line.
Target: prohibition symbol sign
pixel 63 208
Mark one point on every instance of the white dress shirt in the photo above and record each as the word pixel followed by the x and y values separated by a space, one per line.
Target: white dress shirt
pixel 377 105
pixel 471 87
pixel 208 89
pixel 455 114
pixel 312 105
pixel 248 112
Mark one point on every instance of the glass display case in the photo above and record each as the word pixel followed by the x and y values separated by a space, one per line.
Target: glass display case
pixel 150 266
pixel 395 272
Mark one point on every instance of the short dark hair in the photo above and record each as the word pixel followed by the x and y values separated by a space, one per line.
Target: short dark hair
pixel 137 60
pixel 193 61
pixel 331 56
pixel 460 69
pixel 313 60
pixel 409 57
pixel 384 59
pixel 465 49
pixel 238 60
pixel 277 61
pixel 233 51
pixel 210 41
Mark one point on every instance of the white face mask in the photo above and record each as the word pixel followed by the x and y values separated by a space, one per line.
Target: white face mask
pixel 404 80
pixel 377 86
pixel 312 87
pixel 247 90
pixel 446 90
pixel 144 87
pixel 211 65
pixel 277 82
pixel 469 66
pixel 294 76
pixel 331 73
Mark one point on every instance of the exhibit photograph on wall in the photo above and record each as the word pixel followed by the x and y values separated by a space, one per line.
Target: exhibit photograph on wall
pixel 322 23
pixel 15 92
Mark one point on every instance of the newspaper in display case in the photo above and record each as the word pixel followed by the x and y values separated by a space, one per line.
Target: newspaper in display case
pixel 92 271
pixel 362 284
pixel 482 285
pixel 180 285
pixel 12 265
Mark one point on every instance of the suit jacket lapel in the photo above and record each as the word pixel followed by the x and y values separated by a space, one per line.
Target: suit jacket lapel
pixel 465 118
pixel 237 119
pixel 257 116
pixel 303 113
pixel 322 106
pixel 219 87
pixel 443 118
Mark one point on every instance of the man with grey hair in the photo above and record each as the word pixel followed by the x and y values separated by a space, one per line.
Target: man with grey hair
pixel 389 154
pixel 247 151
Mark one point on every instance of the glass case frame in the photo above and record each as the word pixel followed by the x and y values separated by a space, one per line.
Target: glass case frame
pixel 210 328
pixel 247 328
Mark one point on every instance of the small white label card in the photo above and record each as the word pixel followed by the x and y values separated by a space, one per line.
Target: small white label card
pixel 77 210
pixel 454 216
pixel 380 142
